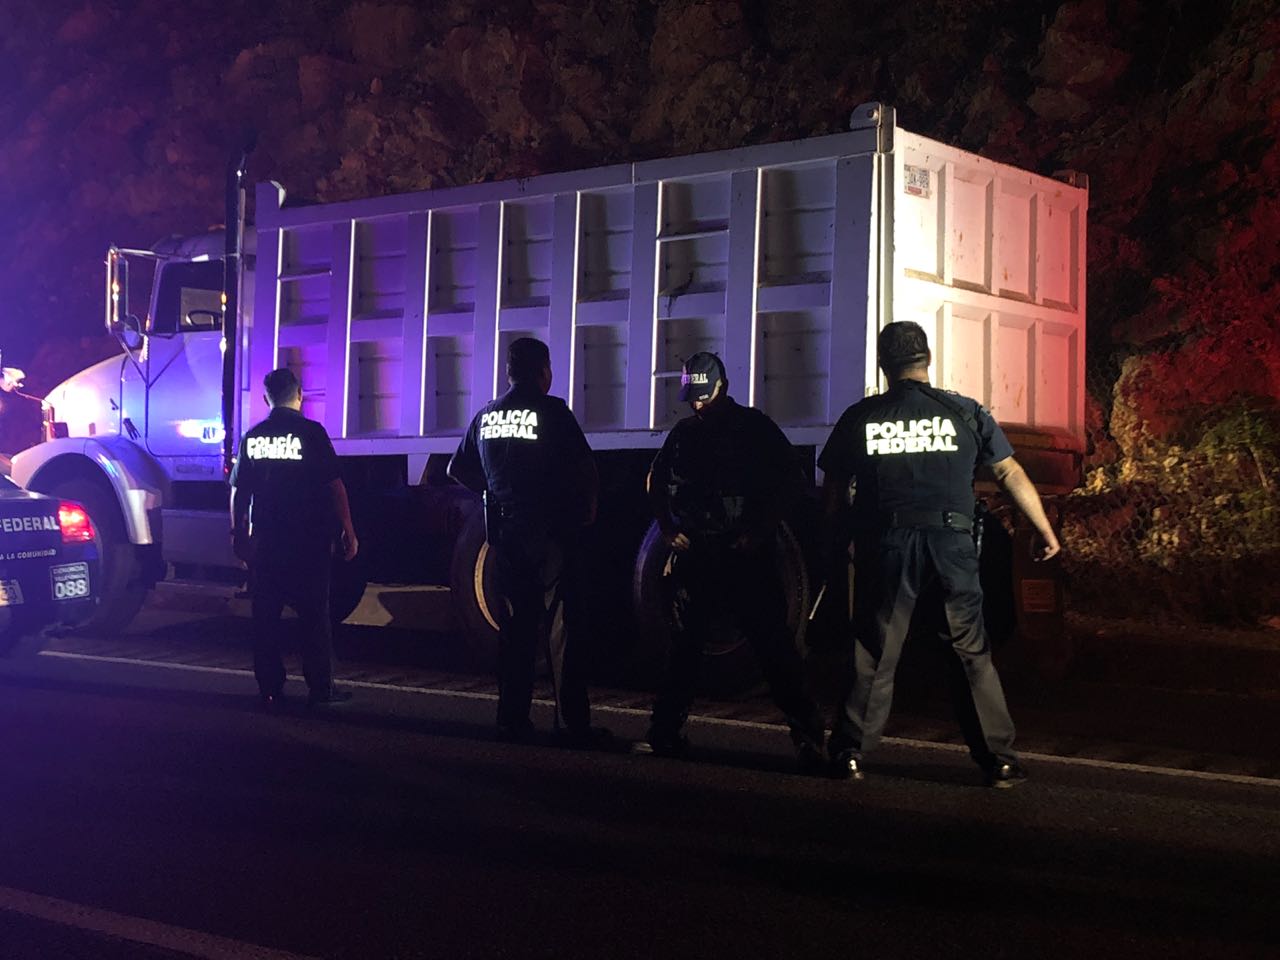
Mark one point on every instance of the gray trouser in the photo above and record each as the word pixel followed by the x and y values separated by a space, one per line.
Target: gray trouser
pixel 892 569
pixel 303 585
pixel 538 572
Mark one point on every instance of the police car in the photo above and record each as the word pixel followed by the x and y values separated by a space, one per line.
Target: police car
pixel 48 563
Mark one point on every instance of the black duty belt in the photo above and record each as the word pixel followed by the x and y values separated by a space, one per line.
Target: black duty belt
pixel 930 518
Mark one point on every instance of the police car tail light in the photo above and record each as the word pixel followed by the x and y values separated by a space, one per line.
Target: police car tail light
pixel 75 524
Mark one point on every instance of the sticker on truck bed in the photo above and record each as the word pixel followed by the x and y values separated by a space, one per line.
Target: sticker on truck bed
pixel 10 593
pixel 70 581
pixel 915 180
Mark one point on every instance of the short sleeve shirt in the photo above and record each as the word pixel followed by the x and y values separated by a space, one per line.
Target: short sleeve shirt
pixel 528 445
pixel 907 449
pixel 721 472
pixel 285 465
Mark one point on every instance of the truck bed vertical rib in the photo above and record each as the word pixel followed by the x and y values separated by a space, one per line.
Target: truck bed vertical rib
pixel 743 280
pixel 338 347
pixel 417 265
pixel 485 361
pixel 564 294
pixel 642 322
pixel 853 301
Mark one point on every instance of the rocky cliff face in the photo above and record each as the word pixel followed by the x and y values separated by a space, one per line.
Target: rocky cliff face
pixel 120 116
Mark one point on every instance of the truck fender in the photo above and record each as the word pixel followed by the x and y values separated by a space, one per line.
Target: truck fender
pixel 137 481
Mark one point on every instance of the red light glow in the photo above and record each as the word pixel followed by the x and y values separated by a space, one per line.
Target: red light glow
pixel 76 527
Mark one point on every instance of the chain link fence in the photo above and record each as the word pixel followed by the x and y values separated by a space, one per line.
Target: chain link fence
pixel 1178 515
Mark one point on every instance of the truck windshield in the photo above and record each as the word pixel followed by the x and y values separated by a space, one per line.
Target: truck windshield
pixel 190 298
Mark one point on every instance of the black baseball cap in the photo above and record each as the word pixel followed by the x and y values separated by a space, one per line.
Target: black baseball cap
pixel 699 376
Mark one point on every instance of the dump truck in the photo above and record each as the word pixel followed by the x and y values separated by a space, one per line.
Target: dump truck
pixel 784 258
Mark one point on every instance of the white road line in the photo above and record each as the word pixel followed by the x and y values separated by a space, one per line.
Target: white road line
pixel 193 943
pixel 697 719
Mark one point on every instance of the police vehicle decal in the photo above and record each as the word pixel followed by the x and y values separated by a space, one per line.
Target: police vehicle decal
pixel 926 435
pixel 509 424
pixel 28 524
pixel 287 447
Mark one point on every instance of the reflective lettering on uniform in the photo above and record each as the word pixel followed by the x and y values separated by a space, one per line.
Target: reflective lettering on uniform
pixel 926 435
pixel 29 524
pixel 509 425
pixel 287 447
pixel 697 379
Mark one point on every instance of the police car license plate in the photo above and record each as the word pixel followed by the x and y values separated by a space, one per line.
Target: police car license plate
pixel 10 593
pixel 70 581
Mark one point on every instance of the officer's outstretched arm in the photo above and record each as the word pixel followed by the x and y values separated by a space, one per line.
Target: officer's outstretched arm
pixel 1015 480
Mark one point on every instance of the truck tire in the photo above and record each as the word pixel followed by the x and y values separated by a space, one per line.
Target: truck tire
pixel 120 590
pixel 729 665
pixel 473 582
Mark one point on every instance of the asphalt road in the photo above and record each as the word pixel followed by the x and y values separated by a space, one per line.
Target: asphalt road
pixel 152 811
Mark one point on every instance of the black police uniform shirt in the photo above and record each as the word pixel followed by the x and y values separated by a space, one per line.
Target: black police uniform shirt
pixel 285 464
pixel 907 451
pixel 529 446
pixel 726 471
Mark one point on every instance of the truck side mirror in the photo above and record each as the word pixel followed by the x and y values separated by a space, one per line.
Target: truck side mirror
pixel 121 322
pixel 117 290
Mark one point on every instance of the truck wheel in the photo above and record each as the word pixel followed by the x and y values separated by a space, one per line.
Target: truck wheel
pixel 120 591
pixel 473 582
pixel 729 665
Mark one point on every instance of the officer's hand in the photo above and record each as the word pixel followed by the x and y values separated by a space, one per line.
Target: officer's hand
pixel 677 542
pixel 1051 547
pixel 350 545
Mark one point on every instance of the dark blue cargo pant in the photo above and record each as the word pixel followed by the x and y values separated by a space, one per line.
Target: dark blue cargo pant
pixel 540 575
pixel 892 569
pixel 303 584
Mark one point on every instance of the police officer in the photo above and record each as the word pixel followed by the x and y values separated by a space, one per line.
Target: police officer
pixel 719 488
pixel 526 453
pixel 910 455
pixel 288 506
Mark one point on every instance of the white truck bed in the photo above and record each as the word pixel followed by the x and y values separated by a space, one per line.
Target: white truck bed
pixel 786 259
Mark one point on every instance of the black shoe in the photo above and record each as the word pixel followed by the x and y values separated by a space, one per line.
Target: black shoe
pixel 810 760
pixel 515 732
pixel 847 765
pixel 662 745
pixel 328 698
pixel 1005 776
